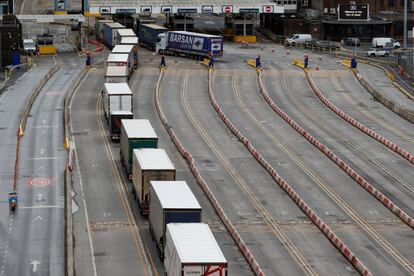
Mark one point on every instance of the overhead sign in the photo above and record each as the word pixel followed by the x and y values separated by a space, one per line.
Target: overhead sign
pixel 60 5
pixel 105 10
pixel 268 9
pixel 166 9
pixel 227 9
pixel 353 12
pixel 187 10
pixel 207 9
pixel 146 9
pixel 243 10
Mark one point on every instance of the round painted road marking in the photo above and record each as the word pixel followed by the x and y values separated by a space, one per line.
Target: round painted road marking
pixel 40 181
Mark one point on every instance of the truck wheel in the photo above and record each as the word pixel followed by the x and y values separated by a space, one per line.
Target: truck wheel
pixel 386 54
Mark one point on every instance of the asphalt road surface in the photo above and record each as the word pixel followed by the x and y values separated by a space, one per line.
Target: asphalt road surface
pixel 112 239
pixel 33 240
pixel 271 224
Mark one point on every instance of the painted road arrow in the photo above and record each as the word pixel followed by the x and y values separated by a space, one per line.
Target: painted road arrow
pixel 35 264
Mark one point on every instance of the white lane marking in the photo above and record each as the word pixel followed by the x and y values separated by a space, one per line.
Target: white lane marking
pixel 40 207
pixel 6 249
pixel 42 151
pixel 85 209
pixel 35 264
pixel 39 197
pixel 43 126
pixel 44 158
pixel 38 218
pixel 44 122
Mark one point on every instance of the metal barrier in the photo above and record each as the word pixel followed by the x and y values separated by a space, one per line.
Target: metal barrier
pixel 404 113
pixel 313 47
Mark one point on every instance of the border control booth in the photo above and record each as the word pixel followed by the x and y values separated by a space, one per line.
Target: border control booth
pixel 240 15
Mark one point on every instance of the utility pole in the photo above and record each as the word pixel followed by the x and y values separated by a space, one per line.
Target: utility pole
pixel 405 24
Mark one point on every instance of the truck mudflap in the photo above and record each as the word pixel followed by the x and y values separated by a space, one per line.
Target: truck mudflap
pixel 144 209
pixel 221 269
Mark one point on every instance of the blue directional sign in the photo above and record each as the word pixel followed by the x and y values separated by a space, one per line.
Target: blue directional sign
pixel 60 5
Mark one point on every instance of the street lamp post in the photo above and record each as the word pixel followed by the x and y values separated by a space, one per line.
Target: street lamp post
pixel 405 23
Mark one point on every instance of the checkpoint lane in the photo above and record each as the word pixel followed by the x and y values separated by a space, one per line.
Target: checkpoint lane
pixel 145 108
pixel 110 248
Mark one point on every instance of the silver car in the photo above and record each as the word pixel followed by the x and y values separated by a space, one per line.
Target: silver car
pixel 378 52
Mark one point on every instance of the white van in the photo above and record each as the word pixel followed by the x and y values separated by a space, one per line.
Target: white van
pixel 298 38
pixel 385 41
pixel 29 46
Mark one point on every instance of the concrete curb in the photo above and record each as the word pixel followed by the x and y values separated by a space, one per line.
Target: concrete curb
pixel 69 241
pixel 35 93
pixel 68 96
pixel 69 250
pixel 200 180
pixel 399 110
pixel 338 161
pixel 316 220
pixel 392 146
pixel 20 131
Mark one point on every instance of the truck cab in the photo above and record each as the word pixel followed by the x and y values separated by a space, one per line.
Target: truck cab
pixel 161 44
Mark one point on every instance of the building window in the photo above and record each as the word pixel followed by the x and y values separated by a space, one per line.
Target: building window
pixel 305 3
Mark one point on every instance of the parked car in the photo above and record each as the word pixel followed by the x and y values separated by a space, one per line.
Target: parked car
pixel 327 44
pixel 378 52
pixel 384 41
pixel 351 41
pixel 298 38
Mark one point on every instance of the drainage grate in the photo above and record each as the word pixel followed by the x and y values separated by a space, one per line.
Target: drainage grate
pixel 206 162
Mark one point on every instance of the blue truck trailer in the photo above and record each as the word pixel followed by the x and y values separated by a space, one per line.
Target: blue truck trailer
pixel 110 33
pixel 148 35
pixel 189 44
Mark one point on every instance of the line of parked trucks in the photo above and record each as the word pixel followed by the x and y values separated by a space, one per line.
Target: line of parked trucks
pixel 184 242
